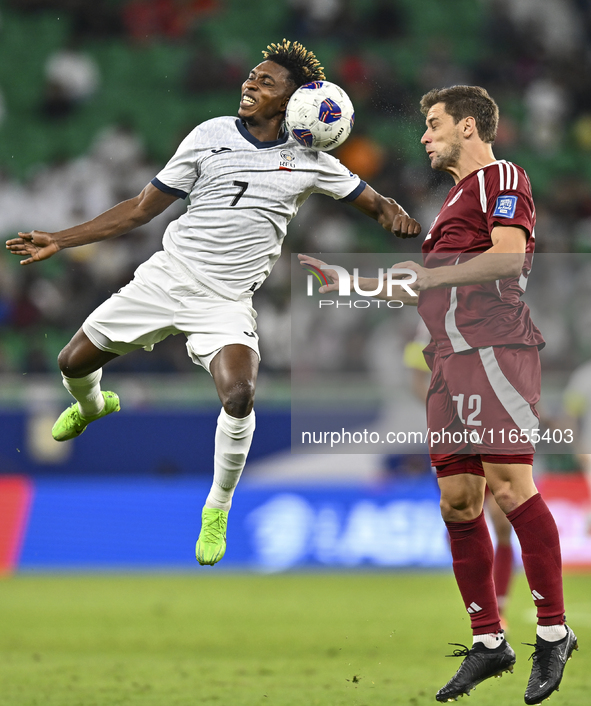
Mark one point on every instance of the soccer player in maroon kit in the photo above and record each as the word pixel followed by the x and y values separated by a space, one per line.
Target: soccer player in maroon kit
pixel 485 382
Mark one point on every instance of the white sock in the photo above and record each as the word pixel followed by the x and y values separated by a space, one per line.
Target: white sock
pixel 233 437
pixel 551 633
pixel 87 392
pixel 489 639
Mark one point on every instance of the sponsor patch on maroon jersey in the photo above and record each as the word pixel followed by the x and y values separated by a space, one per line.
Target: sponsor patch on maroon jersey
pixel 505 207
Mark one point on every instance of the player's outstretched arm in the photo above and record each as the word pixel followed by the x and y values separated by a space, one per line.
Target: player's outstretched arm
pixel 503 260
pixel 389 214
pixel 125 216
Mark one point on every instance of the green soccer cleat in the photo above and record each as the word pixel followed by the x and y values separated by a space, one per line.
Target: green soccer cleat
pixel 211 545
pixel 71 423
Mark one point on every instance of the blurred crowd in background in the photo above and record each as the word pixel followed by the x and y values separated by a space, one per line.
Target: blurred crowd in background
pixel 95 97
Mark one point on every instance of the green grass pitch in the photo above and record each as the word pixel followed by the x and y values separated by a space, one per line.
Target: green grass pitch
pixel 350 639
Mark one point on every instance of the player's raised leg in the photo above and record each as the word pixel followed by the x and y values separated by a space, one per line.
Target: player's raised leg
pixel 462 497
pixel 515 492
pixel 234 370
pixel 81 365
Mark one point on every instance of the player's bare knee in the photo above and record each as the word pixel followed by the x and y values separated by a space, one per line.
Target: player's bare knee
pixel 73 364
pixel 460 508
pixel 507 500
pixel 66 363
pixel 239 400
pixel 505 495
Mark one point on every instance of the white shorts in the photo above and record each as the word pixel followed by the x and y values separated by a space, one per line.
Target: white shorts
pixel 162 300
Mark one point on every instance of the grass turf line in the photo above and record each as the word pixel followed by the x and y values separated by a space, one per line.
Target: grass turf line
pixel 365 639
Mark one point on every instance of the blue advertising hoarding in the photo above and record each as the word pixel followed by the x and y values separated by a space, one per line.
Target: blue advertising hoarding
pixel 147 524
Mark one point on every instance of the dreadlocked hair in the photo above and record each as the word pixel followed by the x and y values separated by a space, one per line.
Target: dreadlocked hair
pixel 302 65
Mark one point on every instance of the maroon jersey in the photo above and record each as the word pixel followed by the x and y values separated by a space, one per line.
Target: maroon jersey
pixel 492 313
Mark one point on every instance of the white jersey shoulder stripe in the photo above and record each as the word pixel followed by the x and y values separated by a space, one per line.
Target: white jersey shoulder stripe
pixel 501 176
pixel 483 201
pixel 508 175
pixel 515 175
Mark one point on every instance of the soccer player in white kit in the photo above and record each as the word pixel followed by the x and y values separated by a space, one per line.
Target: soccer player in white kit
pixel 246 178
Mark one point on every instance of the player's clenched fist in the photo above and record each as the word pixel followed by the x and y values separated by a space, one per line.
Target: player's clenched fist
pixel 404 226
pixel 36 245
pixel 394 218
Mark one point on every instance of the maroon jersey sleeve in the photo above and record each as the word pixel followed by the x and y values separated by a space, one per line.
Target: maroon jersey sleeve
pixel 506 193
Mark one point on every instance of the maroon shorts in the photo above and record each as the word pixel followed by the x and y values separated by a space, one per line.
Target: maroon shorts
pixel 481 405
pixel 473 464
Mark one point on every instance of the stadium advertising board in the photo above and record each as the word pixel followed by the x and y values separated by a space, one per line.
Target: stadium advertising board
pixel 70 525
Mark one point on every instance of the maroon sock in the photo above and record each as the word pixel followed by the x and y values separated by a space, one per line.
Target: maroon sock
pixel 540 548
pixel 473 555
pixel 502 570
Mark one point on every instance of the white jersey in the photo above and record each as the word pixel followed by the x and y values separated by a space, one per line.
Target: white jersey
pixel 243 193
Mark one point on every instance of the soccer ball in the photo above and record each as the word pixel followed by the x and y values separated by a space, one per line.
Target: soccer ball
pixel 320 115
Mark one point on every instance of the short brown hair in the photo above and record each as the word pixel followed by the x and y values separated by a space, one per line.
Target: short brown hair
pixel 463 102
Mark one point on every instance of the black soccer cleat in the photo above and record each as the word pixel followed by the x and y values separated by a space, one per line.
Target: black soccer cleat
pixel 549 660
pixel 480 663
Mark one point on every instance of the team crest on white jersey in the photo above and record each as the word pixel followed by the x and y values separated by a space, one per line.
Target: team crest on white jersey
pixel 287 160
